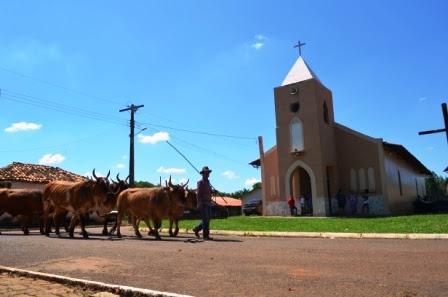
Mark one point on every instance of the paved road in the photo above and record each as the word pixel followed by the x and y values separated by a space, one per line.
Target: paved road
pixel 241 266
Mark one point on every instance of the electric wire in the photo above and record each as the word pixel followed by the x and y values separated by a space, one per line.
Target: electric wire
pixel 82 93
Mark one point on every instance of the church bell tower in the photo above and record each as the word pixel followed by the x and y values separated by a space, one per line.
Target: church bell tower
pixel 305 140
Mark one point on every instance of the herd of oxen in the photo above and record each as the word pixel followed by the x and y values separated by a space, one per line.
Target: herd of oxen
pixel 60 200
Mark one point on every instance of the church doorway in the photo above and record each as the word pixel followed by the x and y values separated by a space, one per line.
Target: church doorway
pixel 301 191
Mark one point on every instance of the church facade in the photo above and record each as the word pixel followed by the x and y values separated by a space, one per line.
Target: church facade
pixel 315 156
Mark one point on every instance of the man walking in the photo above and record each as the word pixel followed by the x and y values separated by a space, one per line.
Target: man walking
pixel 204 194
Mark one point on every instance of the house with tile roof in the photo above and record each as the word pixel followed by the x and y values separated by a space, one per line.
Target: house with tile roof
pixel 31 176
pixel 315 156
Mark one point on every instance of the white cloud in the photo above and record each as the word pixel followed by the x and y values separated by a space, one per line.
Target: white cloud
pixel 421 99
pixel 23 126
pixel 51 159
pixel 251 181
pixel 257 45
pixel 153 139
pixel 259 42
pixel 171 170
pixel 119 165
pixel 230 174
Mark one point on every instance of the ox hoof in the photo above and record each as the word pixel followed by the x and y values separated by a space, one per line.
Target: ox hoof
pixel 119 235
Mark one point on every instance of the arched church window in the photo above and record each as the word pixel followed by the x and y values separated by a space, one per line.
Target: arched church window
pixel 296 135
pixel 325 110
pixel 362 179
pixel 353 181
pixel 371 179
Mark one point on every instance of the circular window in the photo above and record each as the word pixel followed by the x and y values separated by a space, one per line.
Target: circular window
pixel 294 107
pixel 293 91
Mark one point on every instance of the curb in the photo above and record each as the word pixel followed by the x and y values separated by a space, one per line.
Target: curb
pixel 328 235
pixel 93 285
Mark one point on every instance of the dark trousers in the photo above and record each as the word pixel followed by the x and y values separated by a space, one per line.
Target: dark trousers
pixel 293 211
pixel 205 224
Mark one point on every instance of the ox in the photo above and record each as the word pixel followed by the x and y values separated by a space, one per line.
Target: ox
pixel 150 204
pixel 176 211
pixel 116 187
pixel 79 198
pixel 24 203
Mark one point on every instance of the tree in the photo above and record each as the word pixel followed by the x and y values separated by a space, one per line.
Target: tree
pixel 436 187
pixel 144 184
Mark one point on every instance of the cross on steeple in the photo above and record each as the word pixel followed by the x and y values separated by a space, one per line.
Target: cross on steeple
pixel 299 45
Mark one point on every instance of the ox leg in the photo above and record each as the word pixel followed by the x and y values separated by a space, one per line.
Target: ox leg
pixel 176 230
pixel 114 228
pixel 47 226
pixel 119 219
pixel 73 223
pixel 134 223
pixel 82 221
pixel 157 225
pixel 171 228
pixel 27 220
pixel 41 225
pixel 105 231
pixel 148 224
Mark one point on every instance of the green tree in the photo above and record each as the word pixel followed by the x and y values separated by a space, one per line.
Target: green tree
pixel 144 184
pixel 436 187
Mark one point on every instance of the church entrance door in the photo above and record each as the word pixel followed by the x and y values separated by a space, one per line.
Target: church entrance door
pixel 300 189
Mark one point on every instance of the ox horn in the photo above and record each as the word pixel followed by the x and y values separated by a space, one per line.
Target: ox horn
pixel 93 174
pixel 184 185
pixel 169 182
pixel 107 176
pixel 118 177
pixel 127 179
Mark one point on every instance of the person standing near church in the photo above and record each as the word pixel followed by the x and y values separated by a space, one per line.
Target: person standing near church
pixel 204 194
pixel 292 206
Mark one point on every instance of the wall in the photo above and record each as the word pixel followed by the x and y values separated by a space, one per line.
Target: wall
pixel 359 152
pixel 402 203
pixel 28 186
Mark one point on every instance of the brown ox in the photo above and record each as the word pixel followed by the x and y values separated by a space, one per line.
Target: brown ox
pixel 79 198
pixel 149 204
pixel 24 203
pixel 176 211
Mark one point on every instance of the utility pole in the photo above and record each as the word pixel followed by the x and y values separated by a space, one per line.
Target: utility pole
pixel 263 180
pixel 133 108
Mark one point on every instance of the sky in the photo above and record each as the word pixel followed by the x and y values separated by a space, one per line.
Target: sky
pixel 205 73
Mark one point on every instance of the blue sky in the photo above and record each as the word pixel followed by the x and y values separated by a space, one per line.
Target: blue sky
pixel 211 66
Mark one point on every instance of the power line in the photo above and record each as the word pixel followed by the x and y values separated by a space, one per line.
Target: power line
pixel 199 132
pixel 59 107
pixel 53 146
pixel 58 85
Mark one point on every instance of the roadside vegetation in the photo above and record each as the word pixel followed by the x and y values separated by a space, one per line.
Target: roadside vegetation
pixel 430 223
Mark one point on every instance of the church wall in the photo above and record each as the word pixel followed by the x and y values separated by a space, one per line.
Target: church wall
pixel 271 176
pixel 357 155
pixel 401 202
pixel 329 158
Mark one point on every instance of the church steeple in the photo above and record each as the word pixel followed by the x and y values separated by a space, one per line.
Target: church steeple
pixel 300 71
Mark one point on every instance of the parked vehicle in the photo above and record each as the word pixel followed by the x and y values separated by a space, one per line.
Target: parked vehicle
pixel 253 207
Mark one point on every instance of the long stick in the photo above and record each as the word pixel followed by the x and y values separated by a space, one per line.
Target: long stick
pixel 191 164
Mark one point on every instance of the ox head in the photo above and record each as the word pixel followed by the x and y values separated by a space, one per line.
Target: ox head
pixel 119 185
pixel 102 186
pixel 191 198
pixel 178 192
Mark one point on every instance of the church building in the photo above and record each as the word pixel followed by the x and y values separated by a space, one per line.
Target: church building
pixel 315 156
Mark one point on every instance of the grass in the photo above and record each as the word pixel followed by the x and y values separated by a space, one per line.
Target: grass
pixel 430 223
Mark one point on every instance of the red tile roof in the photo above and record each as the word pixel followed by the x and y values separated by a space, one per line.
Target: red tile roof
pixel 227 201
pixel 22 172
